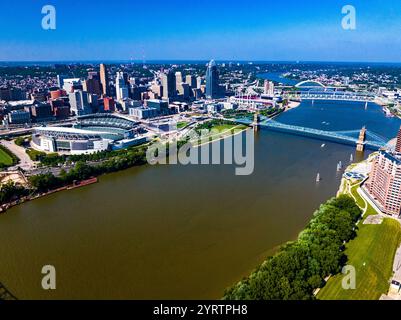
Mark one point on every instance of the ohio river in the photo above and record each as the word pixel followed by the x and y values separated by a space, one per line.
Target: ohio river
pixel 168 232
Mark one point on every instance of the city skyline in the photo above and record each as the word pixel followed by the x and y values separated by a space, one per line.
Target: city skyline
pixel 200 151
pixel 258 31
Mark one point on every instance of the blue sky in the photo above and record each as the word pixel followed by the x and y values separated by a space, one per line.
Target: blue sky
pixel 305 30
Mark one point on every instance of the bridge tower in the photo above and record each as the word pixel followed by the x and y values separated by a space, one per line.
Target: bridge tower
pixel 256 121
pixel 360 145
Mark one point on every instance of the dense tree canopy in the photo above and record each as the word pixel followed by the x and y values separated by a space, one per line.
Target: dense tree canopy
pixel 300 267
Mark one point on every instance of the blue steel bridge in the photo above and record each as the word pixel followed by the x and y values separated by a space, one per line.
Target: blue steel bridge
pixel 350 137
pixel 314 90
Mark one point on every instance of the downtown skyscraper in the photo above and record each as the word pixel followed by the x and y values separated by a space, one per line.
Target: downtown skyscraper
pixel 104 80
pixel 169 84
pixel 212 81
pixel 122 91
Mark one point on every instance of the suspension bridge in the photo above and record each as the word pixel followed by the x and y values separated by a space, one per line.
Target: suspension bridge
pixel 372 141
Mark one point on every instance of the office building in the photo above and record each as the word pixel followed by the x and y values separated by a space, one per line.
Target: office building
pixel 109 104
pixel 92 84
pixel 19 117
pixel 160 105
pixel 122 91
pixel 178 79
pixel 199 82
pixel 143 113
pixel 70 85
pixel 169 84
pixel 191 81
pixel 104 80
pixel 60 80
pixel 41 112
pixel 56 94
pixel 12 94
pixel 184 90
pixel 212 81
pixel 61 111
pixel 157 90
pixel 79 102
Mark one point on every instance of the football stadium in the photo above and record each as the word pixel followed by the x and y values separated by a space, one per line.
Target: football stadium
pixel 91 133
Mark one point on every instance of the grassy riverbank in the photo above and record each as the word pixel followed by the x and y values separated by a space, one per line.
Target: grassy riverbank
pixel 218 129
pixel 371 253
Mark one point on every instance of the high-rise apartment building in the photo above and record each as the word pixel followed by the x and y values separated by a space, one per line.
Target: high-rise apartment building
pixel 398 143
pixel 384 183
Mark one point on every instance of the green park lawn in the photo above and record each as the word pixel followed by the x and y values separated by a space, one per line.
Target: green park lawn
pixel 5 158
pixel 221 131
pixel 226 127
pixel 181 124
pixel 371 253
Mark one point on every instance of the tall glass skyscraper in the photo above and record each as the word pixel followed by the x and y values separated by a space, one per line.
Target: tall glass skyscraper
pixel 212 81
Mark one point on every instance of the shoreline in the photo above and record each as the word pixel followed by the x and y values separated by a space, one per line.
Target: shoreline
pixel 6 206
pixel 222 135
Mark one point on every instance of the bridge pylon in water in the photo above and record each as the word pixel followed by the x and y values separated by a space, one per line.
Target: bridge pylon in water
pixel 256 121
pixel 360 145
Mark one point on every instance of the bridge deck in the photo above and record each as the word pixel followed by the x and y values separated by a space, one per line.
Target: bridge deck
pixel 376 142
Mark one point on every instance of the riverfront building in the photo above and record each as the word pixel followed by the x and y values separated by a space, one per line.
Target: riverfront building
pixel 384 183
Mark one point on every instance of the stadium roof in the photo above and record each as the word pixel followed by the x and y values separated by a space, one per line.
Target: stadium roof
pixel 68 130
